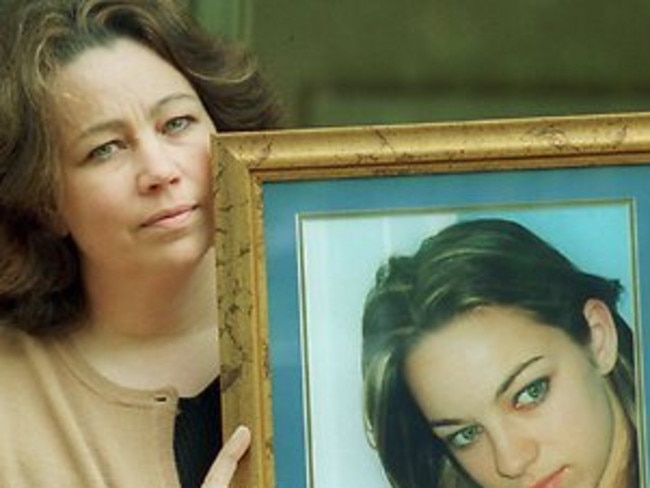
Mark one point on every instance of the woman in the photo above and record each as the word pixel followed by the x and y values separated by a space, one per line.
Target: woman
pixel 491 361
pixel 108 345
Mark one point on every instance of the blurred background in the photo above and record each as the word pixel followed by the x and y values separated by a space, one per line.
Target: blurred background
pixel 351 62
pixel 348 62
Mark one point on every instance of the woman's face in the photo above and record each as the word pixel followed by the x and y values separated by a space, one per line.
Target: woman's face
pixel 135 160
pixel 518 404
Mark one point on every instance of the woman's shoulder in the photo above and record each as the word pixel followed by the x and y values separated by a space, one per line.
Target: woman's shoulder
pixel 31 372
pixel 19 349
pixel 12 341
pixel 13 337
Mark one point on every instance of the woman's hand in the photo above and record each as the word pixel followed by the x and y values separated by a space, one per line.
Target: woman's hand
pixel 224 466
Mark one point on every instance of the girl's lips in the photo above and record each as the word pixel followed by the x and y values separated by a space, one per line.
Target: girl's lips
pixel 169 216
pixel 551 481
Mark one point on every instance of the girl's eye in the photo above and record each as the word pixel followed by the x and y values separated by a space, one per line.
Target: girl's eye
pixel 177 124
pixel 532 395
pixel 464 437
pixel 105 151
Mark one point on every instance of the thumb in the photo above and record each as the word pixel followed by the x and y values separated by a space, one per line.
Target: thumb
pixel 223 469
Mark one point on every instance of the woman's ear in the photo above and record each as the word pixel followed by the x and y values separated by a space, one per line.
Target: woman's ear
pixel 604 337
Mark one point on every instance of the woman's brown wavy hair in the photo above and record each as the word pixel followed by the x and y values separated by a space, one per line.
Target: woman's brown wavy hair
pixel 40 287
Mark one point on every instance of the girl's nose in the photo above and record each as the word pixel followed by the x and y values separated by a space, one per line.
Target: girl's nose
pixel 514 452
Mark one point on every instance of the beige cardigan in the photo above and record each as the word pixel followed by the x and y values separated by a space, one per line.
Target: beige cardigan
pixel 62 425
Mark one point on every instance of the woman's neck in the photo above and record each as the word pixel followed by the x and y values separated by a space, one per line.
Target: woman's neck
pixel 142 330
pixel 153 302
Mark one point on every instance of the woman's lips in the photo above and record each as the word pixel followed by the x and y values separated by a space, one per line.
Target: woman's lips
pixel 169 217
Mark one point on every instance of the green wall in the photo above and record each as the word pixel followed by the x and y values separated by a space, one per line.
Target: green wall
pixel 228 17
pixel 377 61
pixel 343 62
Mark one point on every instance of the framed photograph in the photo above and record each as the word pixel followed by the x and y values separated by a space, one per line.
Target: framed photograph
pixel 306 218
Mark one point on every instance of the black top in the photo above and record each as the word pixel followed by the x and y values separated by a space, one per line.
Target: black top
pixel 197 435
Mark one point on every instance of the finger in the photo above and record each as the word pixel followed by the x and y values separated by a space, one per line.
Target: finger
pixel 224 466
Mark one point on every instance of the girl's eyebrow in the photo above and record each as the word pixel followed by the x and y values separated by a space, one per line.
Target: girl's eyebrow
pixel 448 422
pixel 513 375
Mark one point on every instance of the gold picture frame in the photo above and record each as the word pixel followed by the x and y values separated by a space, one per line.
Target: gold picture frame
pixel 246 164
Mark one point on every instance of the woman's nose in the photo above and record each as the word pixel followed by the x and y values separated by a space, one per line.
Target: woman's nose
pixel 156 167
pixel 514 452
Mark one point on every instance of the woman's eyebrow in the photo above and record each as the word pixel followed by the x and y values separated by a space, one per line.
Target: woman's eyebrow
pixel 172 98
pixel 513 375
pixel 117 124
pixel 106 126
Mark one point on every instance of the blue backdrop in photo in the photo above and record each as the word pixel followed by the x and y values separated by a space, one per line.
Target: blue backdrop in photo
pixel 284 201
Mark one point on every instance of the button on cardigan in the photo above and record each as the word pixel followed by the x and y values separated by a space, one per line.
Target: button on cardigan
pixel 63 425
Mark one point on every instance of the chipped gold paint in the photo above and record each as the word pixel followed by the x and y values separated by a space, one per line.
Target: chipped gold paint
pixel 244 162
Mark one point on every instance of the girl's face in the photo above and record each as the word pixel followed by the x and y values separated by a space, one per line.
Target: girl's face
pixel 518 403
pixel 135 160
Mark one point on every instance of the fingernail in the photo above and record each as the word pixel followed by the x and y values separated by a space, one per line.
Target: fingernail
pixel 241 430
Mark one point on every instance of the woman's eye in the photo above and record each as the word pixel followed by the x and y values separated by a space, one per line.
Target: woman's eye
pixel 533 394
pixel 177 124
pixel 105 151
pixel 464 437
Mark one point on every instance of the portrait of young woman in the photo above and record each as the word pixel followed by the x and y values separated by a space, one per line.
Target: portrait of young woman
pixel 490 360
pixel 109 363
